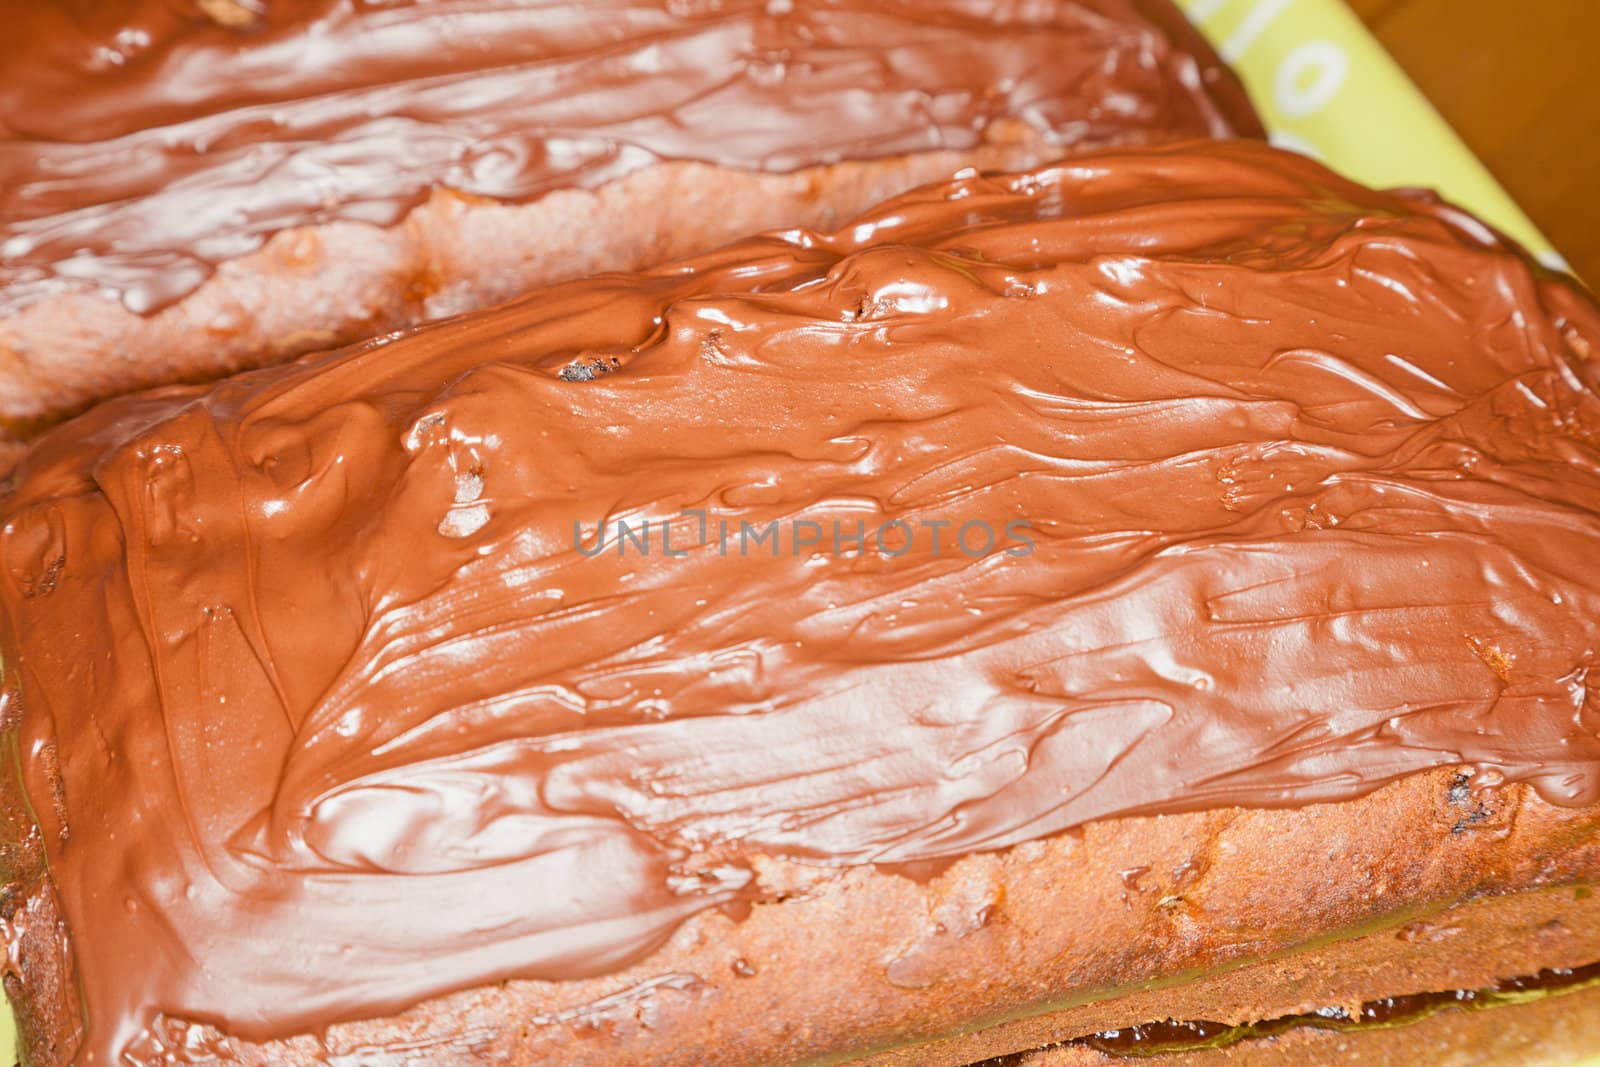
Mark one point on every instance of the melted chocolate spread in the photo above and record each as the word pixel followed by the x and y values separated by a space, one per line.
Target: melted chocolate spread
pixel 347 715
pixel 142 142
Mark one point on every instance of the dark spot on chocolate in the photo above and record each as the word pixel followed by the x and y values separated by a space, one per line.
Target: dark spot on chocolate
pixel 1460 789
pixel 10 708
pixel 588 370
pixel 712 345
pixel 48 580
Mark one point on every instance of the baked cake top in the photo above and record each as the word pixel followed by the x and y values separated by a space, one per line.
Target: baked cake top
pixel 142 142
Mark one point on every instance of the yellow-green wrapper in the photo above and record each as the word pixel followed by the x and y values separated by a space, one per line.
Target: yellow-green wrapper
pixel 1325 87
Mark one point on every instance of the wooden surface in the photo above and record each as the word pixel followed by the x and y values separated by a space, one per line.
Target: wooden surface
pixel 1520 81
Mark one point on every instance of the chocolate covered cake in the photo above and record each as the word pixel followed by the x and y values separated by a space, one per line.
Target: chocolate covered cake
pixel 1151 590
pixel 188 187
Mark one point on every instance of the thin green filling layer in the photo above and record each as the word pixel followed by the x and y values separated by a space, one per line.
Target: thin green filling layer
pixel 1172 1035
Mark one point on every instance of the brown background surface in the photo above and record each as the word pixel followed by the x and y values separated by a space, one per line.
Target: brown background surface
pixel 1520 81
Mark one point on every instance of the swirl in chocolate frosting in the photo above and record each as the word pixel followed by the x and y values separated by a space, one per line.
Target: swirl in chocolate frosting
pixel 142 142
pixel 1313 486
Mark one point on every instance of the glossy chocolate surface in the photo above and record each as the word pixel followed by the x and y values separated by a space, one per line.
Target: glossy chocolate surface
pixel 142 142
pixel 1295 490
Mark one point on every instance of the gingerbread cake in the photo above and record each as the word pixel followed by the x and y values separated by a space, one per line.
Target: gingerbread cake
pixel 188 188
pixel 1146 597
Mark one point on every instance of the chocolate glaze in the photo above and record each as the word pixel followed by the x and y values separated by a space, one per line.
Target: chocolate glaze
pixel 343 719
pixel 142 142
